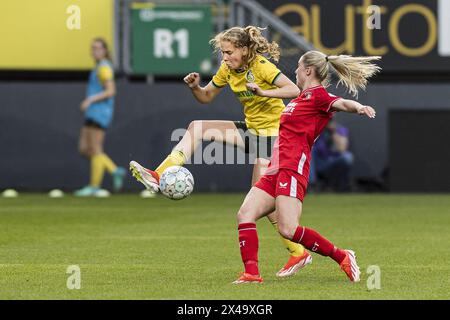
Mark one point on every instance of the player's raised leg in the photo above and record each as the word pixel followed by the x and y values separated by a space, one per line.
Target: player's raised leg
pixel 257 204
pixel 298 256
pixel 198 131
pixel 289 211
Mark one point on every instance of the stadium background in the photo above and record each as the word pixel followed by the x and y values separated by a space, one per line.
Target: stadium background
pixel 43 74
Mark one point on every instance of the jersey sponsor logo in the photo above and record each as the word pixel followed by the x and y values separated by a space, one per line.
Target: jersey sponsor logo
pixel 290 108
pixel 283 185
pixel 249 76
pixel 292 104
pixel 244 94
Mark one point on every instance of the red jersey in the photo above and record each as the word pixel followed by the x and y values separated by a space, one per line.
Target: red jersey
pixel 301 123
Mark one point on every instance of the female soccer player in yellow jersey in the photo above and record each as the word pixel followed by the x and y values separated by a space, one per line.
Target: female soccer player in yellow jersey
pixel 242 66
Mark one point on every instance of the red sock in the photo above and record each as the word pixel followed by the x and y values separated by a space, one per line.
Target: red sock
pixel 248 243
pixel 313 241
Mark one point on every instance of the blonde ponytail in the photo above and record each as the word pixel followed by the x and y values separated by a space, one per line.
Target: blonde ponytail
pixel 353 72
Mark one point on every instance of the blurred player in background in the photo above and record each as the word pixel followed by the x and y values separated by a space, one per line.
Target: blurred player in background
pixel 242 64
pixel 331 161
pixel 283 187
pixel 98 109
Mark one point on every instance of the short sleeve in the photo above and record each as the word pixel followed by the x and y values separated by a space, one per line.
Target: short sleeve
pixel 220 79
pixel 267 71
pixel 105 73
pixel 325 100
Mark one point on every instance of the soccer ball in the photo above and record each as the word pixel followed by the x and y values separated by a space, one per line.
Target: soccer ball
pixel 176 183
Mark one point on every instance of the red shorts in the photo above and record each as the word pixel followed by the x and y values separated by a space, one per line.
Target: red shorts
pixel 285 182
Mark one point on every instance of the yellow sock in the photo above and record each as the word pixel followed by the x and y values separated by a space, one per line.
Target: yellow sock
pixel 176 158
pixel 295 249
pixel 97 170
pixel 108 163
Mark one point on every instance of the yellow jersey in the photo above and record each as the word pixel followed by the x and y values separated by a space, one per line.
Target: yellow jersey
pixel 262 114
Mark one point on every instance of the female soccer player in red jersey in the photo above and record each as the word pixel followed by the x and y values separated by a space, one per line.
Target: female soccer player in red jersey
pixel 243 64
pixel 283 186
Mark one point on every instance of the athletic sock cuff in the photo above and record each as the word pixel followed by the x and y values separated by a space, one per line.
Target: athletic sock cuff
pixel 178 157
pixel 298 234
pixel 247 226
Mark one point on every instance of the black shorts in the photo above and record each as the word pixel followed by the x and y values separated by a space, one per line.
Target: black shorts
pixel 93 124
pixel 261 146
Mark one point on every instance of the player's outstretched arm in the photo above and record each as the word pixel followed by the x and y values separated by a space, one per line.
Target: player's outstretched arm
pixel 352 106
pixel 286 89
pixel 203 95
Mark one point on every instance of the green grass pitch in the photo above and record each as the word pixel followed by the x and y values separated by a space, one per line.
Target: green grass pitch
pixel 133 248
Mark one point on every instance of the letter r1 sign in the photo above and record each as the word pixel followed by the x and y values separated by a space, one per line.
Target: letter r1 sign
pixel 170 40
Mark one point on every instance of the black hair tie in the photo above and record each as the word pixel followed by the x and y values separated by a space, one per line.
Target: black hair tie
pixel 326 58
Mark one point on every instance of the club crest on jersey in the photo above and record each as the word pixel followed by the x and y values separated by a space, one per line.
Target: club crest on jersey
pixel 249 76
pixel 307 95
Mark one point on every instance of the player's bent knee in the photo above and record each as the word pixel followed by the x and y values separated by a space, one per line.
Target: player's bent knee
pixel 285 231
pixel 244 215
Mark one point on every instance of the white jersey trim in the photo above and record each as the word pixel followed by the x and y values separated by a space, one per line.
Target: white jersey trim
pixel 333 101
pixel 293 191
pixel 301 163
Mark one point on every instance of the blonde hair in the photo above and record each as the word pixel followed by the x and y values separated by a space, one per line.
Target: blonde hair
pixel 250 37
pixel 353 72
